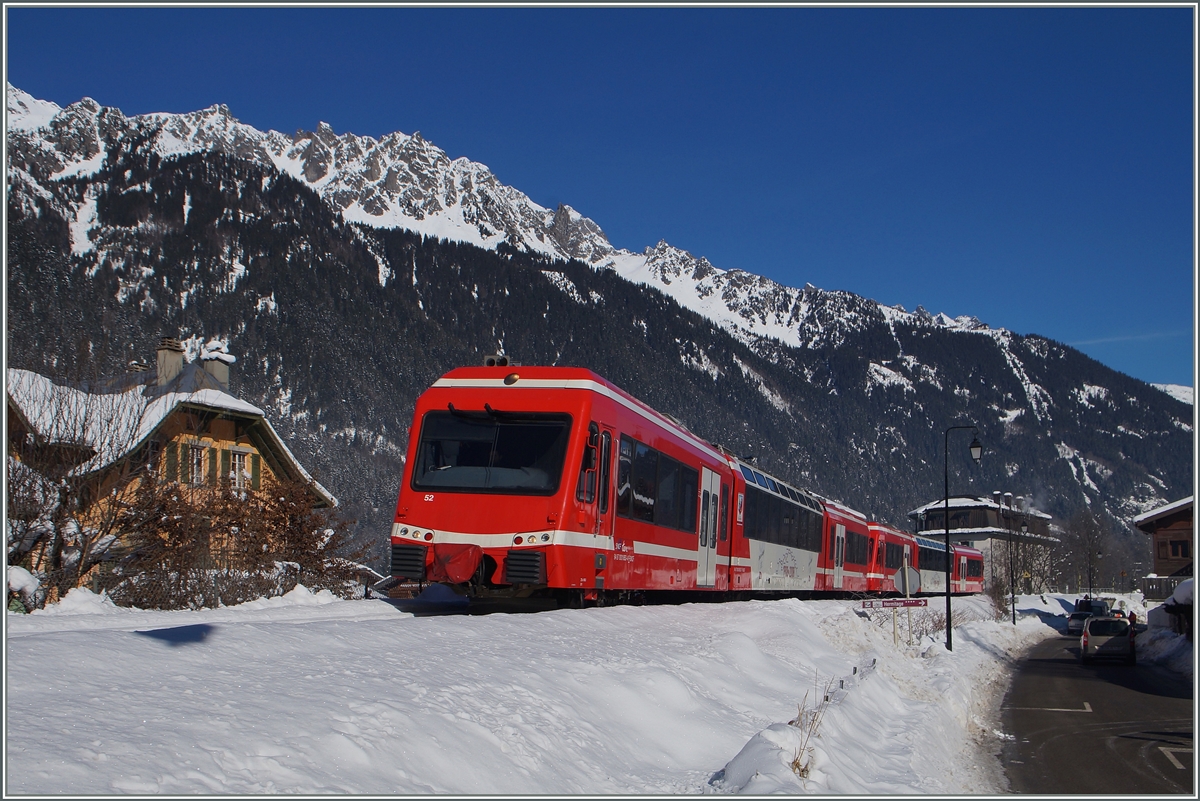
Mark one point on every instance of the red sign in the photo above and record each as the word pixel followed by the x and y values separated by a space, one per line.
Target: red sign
pixel 893 603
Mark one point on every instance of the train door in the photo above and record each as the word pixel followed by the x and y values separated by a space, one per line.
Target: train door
pixel 962 574
pixel 594 492
pixel 839 555
pixel 706 544
pixel 604 509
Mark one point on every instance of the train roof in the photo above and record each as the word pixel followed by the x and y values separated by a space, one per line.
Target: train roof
pixel 925 542
pixel 569 378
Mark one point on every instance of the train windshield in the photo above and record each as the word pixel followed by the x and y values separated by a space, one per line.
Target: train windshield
pixel 492 452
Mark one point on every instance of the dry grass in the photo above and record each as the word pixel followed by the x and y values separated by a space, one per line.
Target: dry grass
pixel 808 721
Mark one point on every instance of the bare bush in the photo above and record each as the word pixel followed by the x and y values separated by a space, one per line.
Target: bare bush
pixel 196 547
pixel 60 462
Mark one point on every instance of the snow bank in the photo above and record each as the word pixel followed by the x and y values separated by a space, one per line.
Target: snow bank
pixel 23 582
pixel 1183 593
pixel 310 694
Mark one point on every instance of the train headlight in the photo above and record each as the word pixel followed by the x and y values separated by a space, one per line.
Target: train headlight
pixel 428 536
pixel 545 538
pixel 404 531
pixel 517 540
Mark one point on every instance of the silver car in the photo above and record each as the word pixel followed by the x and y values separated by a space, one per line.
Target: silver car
pixel 1107 638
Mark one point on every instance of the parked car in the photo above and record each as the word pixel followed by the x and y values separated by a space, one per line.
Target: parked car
pixel 1091 606
pixel 1075 623
pixel 1107 638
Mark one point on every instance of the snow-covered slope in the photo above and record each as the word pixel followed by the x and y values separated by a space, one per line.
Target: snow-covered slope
pixel 1177 391
pixel 307 694
pixel 403 181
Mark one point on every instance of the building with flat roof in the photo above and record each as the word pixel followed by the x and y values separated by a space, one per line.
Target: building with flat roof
pixel 994 526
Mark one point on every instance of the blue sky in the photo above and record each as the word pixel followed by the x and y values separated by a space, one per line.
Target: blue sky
pixel 1032 167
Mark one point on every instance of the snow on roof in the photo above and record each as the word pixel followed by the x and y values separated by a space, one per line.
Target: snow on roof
pixel 1163 511
pixel 114 424
pixel 216 349
pixel 975 502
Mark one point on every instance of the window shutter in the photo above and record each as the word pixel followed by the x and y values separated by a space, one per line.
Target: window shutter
pixel 224 464
pixel 255 471
pixel 172 466
pixel 185 464
pixel 212 467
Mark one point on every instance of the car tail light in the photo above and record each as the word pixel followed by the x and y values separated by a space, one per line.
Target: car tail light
pixel 1085 638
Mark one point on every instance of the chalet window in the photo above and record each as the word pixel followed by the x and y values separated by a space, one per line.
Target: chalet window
pixel 241 476
pixel 194 470
pixel 1180 549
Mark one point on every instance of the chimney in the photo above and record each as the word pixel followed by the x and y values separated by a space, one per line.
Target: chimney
pixel 216 360
pixel 170 360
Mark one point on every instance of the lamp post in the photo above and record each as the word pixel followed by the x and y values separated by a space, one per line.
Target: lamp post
pixel 1024 531
pixel 976 454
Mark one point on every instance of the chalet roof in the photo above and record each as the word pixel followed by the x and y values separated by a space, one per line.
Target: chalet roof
pixel 1154 515
pixel 976 502
pixel 116 418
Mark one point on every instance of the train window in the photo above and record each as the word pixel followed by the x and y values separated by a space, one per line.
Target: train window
pixel 605 469
pixel 690 479
pixel 723 513
pixel 653 487
pixel 666 507
pixel 893 557
pixel 769 518
pixel 748 473
pixel 772 485
pixel 492 452
pixel 624 474
pixel 645 482
pixel 975 568
pixel 585 486
pixel 932 558
pixel 856 548
pixel 761 480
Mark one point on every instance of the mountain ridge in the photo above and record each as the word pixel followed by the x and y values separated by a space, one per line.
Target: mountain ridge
pixel 184 225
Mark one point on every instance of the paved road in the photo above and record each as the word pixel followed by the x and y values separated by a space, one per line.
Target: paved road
pixel 1099 728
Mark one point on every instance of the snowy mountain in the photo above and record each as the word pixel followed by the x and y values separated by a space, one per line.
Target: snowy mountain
pixel 1177 391
pixel 347 273
pixel 403 181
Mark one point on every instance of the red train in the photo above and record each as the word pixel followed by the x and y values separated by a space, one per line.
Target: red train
pixel 552 483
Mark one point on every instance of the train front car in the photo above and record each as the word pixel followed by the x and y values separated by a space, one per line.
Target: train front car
pixel 544 482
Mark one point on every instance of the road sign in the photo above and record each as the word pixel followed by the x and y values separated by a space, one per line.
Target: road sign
pixel 914 580
pixel 894 603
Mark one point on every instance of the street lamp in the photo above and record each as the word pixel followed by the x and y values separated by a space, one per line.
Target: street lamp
pixel 976 454
pixel 1024 531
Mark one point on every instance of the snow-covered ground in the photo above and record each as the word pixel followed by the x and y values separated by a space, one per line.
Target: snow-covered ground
pixel 310 694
